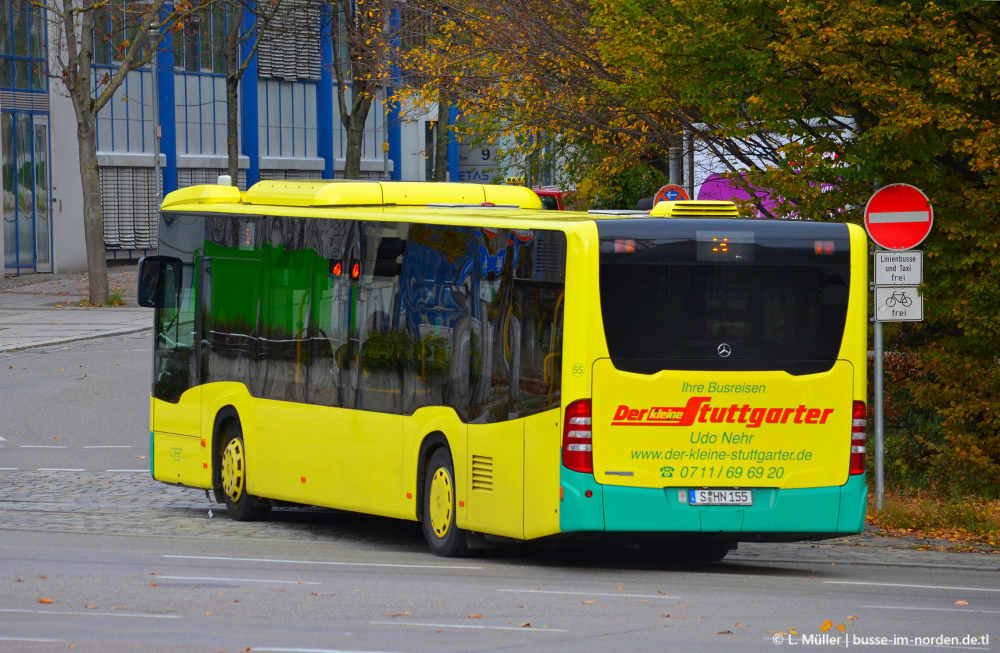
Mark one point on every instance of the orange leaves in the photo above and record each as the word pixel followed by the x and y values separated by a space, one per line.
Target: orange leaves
pixel 45 600
pixel 475 616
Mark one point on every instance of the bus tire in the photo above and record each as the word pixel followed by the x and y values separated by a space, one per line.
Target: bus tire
pixel 445 538
pixel 240 505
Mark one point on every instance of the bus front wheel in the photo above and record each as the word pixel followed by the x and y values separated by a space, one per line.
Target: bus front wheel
pixel 239 504
pixel 444 537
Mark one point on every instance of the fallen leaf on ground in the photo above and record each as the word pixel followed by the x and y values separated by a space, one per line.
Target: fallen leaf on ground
pixel 152 584
pixel 960 602
pixel 475 616
pixel 399 614
pixel 620 588
pixel 723 632
pixel 44 600
pixel 526 624
pixel 588 602
pixel 827 625
pixel 206 614
pixel 90 607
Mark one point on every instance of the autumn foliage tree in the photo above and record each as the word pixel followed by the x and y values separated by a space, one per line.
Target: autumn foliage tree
pixel 820 101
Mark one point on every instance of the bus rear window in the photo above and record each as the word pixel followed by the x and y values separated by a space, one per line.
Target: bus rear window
pixel 723 294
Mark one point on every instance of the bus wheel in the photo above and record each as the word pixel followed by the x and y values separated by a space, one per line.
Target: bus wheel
pixel 444 537
pixel 239 504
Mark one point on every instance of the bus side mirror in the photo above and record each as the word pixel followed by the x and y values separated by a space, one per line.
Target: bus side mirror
pixel 160 280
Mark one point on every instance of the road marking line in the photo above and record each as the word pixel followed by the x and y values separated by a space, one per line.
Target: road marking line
pixel 523 630
pixel 8 469
pixel 29 639
pixel 241 580
pixel 43 446
pixel 323 562
pixel 108 446
pixel 89 613
pixel 626 596
pixel 54 469
pixel 904 607
pixel 145 471
pixel 307 650
pixel 2 439
pixel 922 587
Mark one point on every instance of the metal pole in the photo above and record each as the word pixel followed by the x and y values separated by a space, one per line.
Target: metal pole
pixel 156 127
pixel 676 155
pixel 879 442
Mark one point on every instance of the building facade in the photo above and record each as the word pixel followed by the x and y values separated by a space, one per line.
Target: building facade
pixel 289 128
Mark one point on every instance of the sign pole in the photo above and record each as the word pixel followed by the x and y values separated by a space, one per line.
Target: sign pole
pixel 879 441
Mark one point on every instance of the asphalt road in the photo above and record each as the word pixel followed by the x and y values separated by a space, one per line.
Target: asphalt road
pixel 81 406
pixel 108 560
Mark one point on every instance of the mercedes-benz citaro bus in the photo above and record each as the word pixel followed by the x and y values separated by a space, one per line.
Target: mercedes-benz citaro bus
pixel 453 354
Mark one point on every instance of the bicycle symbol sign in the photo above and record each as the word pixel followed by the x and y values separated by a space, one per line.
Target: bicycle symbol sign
pixel 898 304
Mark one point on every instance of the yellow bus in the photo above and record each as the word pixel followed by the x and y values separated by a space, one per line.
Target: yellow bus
pixel 452 354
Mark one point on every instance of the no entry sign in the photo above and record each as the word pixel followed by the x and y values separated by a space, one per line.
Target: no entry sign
pixel 898 216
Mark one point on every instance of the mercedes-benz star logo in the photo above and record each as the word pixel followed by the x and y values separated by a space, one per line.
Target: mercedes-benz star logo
pixel 724 350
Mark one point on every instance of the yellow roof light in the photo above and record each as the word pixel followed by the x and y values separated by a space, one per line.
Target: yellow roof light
pixel 315 193
pixel 204 194
pixel 695 209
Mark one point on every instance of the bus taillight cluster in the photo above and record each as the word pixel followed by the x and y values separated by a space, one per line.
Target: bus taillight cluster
pixel 858 437
pixel 577 448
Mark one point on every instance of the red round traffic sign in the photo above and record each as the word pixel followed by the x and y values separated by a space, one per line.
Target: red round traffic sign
pixel 670 193
pixel 898 216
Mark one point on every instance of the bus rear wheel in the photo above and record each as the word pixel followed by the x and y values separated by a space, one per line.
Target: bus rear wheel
pixel 444 537
pixel 239 504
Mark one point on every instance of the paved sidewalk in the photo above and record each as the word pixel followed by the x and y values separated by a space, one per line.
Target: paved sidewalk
pixel 43 309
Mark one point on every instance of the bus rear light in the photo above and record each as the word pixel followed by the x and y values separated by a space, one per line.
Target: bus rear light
pixel 858 437
pixel 578 451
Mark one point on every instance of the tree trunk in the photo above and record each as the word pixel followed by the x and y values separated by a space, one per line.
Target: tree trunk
pixel 352 152
pixel 441 142
pixel 232 127
pixel 234 72
pixel 93 220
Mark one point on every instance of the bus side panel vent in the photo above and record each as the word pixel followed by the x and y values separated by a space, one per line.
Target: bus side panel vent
pixel 482 473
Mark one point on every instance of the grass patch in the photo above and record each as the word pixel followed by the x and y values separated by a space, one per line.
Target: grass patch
pixel 932 515
pixel 116 297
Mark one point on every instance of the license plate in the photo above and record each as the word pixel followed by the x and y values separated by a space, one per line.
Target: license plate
pixel 720 497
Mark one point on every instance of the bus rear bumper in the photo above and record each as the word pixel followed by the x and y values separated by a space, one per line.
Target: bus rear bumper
pixel 809 512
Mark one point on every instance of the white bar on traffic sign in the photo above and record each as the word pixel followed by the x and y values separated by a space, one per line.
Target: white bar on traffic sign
pixel 899 216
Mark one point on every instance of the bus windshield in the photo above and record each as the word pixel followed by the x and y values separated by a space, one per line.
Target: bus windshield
pixel 723 294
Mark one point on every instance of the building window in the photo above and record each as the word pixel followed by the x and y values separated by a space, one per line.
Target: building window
pixel 200 44
pixel 116 24
pixel 22 46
